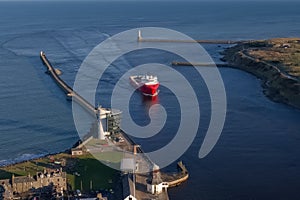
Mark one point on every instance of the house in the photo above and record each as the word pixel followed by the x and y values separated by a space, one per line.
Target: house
pixel 155 185
pixel 52 179
pixel 76 151
pixel 285 46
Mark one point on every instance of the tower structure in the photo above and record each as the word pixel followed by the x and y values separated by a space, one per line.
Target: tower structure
pixel 139 35
pixel 155 185
pixel 100 131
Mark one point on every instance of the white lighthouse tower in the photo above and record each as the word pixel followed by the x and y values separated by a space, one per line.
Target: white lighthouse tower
pixel 139 36
pixel 100 132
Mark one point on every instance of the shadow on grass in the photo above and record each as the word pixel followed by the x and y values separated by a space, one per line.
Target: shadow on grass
pixel 5 175
pixel 89 174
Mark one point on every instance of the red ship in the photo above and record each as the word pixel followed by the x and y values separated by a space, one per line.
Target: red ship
pixel 147 84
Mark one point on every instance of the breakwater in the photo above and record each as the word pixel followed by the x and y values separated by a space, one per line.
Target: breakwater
pixel 177 63
pixel 142 39
pixel 190 41
pixel 176 179
pixel 65 87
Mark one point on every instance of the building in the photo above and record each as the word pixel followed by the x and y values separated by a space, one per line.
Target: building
pixel 5 189
pixel 76 151
pixel 51 179
pixel 108 123
pixel 113 122
pixel 155 185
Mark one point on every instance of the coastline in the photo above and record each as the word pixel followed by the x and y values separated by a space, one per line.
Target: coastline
pixel 277 83
pixel 19 160
pixel 75 168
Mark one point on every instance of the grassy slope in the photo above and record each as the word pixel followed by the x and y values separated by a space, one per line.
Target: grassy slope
pixel 268 53
pixel 287 59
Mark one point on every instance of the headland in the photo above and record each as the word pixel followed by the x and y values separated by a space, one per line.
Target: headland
pixel 275 61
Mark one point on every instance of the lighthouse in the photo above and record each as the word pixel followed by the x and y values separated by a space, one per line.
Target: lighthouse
pixel 139 35
pixel 155 185
pixel 100 131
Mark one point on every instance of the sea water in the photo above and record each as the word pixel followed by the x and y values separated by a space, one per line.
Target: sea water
pixel 257 155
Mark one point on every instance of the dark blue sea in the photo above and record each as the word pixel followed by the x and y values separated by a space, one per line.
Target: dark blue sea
pixel 257 155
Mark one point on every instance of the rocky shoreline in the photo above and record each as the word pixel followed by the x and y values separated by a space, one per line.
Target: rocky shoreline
pixel 278 84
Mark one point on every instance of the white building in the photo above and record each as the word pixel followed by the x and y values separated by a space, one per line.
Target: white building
pixel 155 185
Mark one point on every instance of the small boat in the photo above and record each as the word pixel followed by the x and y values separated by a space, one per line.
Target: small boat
pixel 147 84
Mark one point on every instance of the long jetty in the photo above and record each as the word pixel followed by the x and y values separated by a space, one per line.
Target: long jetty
pixel 65 87
pixel 190 41
pixel 178 178
pixel 141 39
pixel 178 63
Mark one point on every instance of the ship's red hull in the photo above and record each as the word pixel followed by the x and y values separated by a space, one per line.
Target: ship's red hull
pixel 149 90
pixel 148 85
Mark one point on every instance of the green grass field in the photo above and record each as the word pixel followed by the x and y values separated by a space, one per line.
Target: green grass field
pixel 91 174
